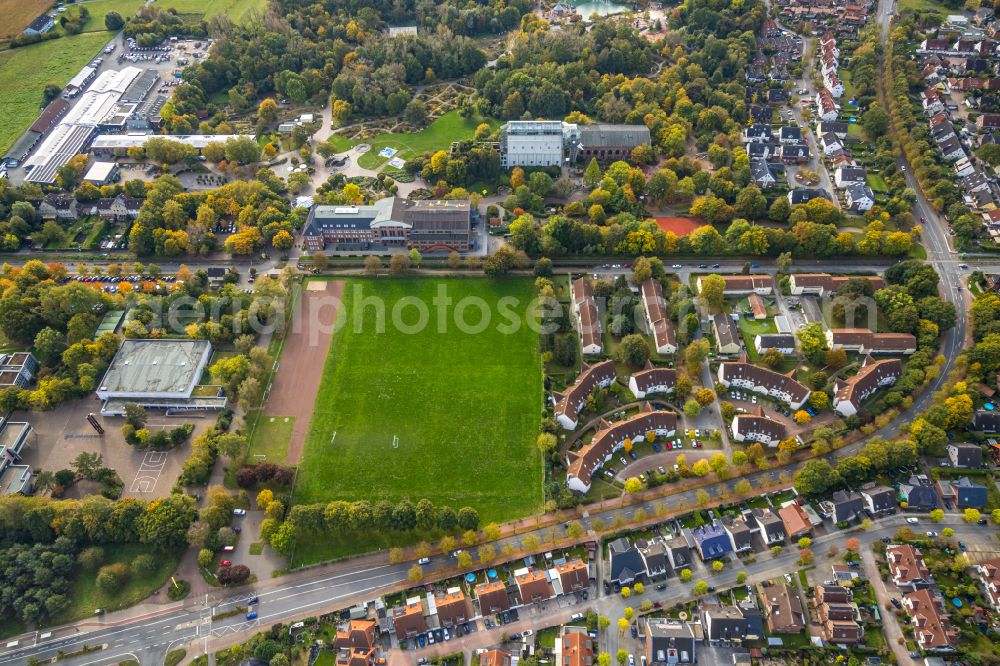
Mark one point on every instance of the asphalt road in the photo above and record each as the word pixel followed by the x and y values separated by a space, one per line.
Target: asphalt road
pixel 148 638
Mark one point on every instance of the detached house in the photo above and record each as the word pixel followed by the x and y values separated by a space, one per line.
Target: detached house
pixel 830 143
pixel 58 207
pixel 770 525
pixel 989 576
pixel 965 455
pixel 356 645
pixel 758 133
pixel 762 174
pixel 678 551
pixel 845 506
pixel 669 642
pixel 845 176
pixel 654 557
pixel 408 619
pixel 796 521
pixel 725 624
pixel 790 134
pixel 627 564
pixel 573 576
pixel 919 494
pixel 453 607
pixel 782 610
pixel 860 198
pixel 964 493
pixel 727 336
pixel 880 500
pixel 712 541
pixel 739 534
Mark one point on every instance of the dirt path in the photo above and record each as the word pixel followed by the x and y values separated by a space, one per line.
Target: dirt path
pixel 296 383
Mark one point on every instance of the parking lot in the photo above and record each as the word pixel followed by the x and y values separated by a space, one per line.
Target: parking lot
pixel 63 434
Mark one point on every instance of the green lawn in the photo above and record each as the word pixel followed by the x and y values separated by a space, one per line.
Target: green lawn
pixel 87 598
pixel 751 328
pixel 877 183
pixel 464 406
pixel 25 71
pixel 237 10
pixel 436 136
pixel 271 438
pixel 922 5
pixel 99 8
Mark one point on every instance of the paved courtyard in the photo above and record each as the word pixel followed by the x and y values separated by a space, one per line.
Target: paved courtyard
pixel 64 433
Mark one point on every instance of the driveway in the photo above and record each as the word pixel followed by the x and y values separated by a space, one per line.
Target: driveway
pixel 890 623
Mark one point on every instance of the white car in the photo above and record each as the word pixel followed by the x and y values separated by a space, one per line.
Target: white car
pixel 932 534
pixel 239 512
pixel 424 560
pixel 912 521
pixel 677 266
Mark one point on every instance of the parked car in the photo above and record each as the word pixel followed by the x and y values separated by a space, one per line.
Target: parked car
pixel 239 512
pixel 912 521
pixel 224 563
pixel 932 534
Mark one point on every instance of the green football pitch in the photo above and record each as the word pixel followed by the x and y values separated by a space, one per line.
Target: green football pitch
pixel 451 416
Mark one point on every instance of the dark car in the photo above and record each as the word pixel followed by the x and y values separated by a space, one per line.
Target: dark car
pixel 895 602
pixel 982 521
pixel 661 586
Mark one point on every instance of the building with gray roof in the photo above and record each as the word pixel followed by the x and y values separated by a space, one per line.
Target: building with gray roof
pixel 157 374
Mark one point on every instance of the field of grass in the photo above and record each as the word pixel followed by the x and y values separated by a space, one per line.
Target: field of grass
pixel 922 5
pixel 464 406
pixel 237 10
pixel 25 71
pixel 436 136
pixel 271 438
pixel 17 14
pixel 87 597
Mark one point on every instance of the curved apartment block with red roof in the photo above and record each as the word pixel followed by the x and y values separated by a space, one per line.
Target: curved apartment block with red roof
pixel 610 438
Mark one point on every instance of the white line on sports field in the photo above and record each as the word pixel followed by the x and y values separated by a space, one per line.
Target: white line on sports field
pixel 334 436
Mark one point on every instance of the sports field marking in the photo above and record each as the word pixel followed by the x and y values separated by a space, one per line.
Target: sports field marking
pixel 395 442
pixel 149 472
